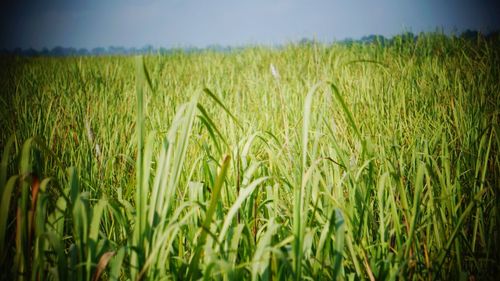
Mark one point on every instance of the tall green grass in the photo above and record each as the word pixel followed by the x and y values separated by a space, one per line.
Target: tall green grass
pixel 350 162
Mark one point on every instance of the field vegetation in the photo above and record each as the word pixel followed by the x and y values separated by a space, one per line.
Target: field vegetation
pixel 310 162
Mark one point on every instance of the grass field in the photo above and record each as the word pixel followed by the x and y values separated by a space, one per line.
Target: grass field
pixel 310 162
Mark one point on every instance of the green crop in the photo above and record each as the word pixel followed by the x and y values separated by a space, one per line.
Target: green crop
pixel 311 162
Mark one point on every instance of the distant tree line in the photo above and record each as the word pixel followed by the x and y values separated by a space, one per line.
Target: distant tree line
pixel 149 49
pixel 59 51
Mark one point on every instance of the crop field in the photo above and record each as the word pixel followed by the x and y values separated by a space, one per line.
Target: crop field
pixel 307 162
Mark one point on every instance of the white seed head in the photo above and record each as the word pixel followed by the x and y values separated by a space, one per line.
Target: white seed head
pixel 91 137
pixel 98 151
pixel 90 132
pixel 353 161
pixel 275 72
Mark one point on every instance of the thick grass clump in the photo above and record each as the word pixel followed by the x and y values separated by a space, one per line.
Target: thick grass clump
pixel 316 162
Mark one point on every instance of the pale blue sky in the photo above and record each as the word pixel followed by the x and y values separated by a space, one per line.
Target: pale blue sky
pixel 170 23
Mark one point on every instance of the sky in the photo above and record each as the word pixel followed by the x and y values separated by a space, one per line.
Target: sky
pixel 181 23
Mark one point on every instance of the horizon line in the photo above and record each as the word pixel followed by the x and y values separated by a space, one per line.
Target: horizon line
pixel 150 48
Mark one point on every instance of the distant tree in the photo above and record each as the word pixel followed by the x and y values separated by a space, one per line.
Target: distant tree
pixel 373 39
pixel 191 49
pixel 164 51
pixel 148 49
pixel 366 39
pixel 133 51
pixel 306 42
pixel 218 48
pixel 348 41
pixel 57 51
pixel 470 34
pixel 404 38
pixel 17 51
pixel 494 35
pixel 70 51
pixel 98 51
pixel 409 37
pixel 117 50
pixel 83 52
pixel 45 52
pixel 29 52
